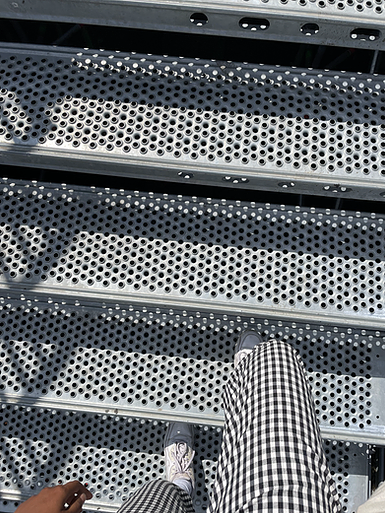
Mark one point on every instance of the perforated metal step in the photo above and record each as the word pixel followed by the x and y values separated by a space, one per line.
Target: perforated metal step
pixel 173 365
pixel 116 456
pixel 175 119
pixel 209 255
pixel 351 23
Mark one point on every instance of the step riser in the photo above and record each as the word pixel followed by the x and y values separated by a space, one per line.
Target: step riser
pixel 300 22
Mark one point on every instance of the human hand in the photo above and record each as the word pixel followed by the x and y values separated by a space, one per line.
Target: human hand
pixel 69 498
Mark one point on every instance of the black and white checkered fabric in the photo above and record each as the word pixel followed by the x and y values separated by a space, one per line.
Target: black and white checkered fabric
pixel 272 459
pixel 158 496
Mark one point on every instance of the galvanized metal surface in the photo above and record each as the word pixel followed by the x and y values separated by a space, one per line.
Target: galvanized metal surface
pixel 196 121
pixel 173 365
pixel 97 359
pixel 211 256
pixel 114 456
pixel 117 456
pixel 108 357
pixel 351 23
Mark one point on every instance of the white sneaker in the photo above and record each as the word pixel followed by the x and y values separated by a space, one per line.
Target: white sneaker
pixel 179 455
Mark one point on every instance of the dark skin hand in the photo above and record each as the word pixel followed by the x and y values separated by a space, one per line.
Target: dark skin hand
pixel 55 499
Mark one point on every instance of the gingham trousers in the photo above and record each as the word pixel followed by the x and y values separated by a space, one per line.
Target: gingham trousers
pixel 272 459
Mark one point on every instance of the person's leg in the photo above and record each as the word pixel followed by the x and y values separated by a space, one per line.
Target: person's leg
pixel 173 495
pixel 272 459
pixel 158 496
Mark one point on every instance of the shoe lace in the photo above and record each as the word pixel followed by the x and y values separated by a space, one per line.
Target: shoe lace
pixel 181 462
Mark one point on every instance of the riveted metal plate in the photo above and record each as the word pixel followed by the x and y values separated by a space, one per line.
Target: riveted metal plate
pixel 117 456
pixel 328 22
pixel 193 121
pixel 173 365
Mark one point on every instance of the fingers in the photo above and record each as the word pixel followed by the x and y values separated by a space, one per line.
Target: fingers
pixel 76 506
pixel 74 487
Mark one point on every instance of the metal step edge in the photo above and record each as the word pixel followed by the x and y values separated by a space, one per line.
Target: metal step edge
pixel 109 298
pixel 335 22
pixel 195 173
pixel 371 436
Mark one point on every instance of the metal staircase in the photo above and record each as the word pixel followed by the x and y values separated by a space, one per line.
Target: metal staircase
pixel 120 309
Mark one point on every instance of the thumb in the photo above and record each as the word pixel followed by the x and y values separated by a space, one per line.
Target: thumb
pixel 76 506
